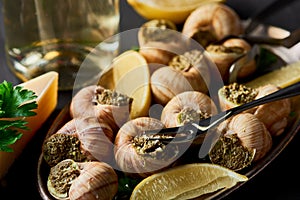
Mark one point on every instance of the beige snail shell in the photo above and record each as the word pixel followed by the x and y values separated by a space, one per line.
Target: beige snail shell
pixel 159 41
pixel 80 139
pixel 225 54
pixel 190 71
pixel 194 66
pixel 135 155
pixel 167 82
pixel 196 101
pixel 87 103
pixel 250 67
pixel 274 114
pixel 82 181
pixel 251 131
pixel 214 21
pixel 82 103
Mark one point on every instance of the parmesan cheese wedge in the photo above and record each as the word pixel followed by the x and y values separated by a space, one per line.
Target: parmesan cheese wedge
pixel 46 88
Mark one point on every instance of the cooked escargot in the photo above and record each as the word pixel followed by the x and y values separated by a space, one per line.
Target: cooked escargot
pixel 138 155
pixel 81 139
pixel 251 133
pixel 248 68
pixel 159 41
pixel 82 180
pixel 225 54
pixel 235 94
pixel 190 106
pixel 212 22
pixel 82 103
pixel 193 65
pixel 155 30
pixel 107 105
pixel 228 151
pixel 167 82
pixel 274 115
pixel 185 72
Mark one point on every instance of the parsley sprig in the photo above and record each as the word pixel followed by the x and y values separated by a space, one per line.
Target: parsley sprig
pixel 18 103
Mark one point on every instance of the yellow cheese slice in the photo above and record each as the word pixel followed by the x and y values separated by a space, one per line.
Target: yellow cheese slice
pixel 46 88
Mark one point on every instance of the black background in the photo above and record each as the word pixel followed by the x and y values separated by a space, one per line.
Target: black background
pixel 279 180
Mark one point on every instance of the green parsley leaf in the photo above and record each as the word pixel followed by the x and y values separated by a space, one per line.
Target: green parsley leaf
pixel 8 137
pixel 6 124
pixel 15 102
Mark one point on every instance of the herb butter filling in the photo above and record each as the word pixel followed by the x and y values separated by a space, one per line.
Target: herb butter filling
pixel 229 152
pixel 187 60
pixel 239 93
pixel 61 178
pixel 205 36
pixel 109 97
pixel 224 49
pixel 153 147
pixel 187 115
pixel 62 146
pixel 144 145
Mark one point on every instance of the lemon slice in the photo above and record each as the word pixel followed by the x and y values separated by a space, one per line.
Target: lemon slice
pixel 46 88
pixel 186 182
pixel 176 11
pixel 131 76
pixel 282 77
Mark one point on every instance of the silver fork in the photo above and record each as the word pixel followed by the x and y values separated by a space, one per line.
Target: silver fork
pixel 191 131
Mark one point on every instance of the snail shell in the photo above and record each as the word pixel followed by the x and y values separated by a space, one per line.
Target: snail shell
pixel 128 154
pixel 97 180
pixel 82 103
pixel 85 104
pixel 224 55
pixel 190 71
pixel 274 114
pixel 80 139
pixel 167 82
pixel 159 41
pixel 213 21
pixel 196 101
pixel 251 131
pixel 250 67
pixel 193 65
pixel 88 180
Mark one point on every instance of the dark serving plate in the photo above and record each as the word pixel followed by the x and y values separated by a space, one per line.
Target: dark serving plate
pixel 279 142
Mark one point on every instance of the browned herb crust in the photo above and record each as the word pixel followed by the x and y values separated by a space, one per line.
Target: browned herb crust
pixel 229 152
pixel 239 93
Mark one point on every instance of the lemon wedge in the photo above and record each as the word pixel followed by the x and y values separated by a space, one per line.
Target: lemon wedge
pixel 46 88
pixel 131 76
pixel 186 182
pixel 176 11
pixel 282 77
